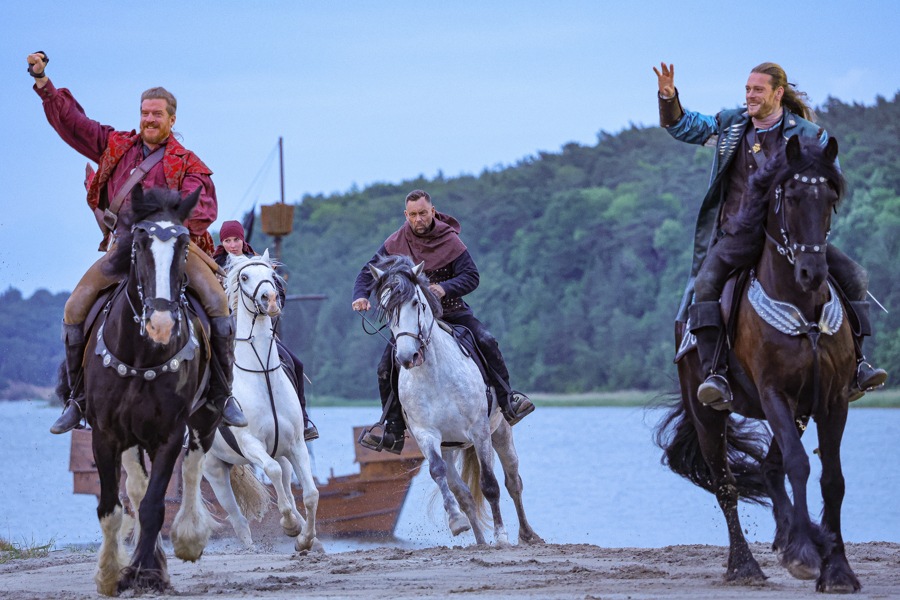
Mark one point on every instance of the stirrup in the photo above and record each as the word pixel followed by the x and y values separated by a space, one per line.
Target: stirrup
pixel 310 432
pixel 520 406
pixel 232 415
pixel 876 379
pixel 69 419
pixel 715 392
pixel 372 441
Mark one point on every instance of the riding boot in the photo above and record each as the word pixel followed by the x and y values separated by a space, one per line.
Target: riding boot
pixel 392 437
pixel 73 413
pixel 219 398
pixel 867 377
pixel 393 432
pixel 294 370
pixel 706 324
pixel 514 406
pixel 310 432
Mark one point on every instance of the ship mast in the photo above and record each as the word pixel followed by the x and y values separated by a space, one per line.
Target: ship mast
pixel 278 219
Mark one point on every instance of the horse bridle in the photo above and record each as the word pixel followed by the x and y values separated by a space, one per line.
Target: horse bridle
pixel 256 310
pixel 148 305
pixel 789 249
pixel 191 344
pixel 423 341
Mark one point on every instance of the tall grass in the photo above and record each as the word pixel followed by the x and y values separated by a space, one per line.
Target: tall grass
pixel 10 551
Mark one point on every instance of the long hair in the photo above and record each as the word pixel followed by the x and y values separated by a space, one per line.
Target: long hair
pixel 793 99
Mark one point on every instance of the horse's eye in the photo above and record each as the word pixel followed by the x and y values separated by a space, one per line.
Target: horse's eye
pixel 244 277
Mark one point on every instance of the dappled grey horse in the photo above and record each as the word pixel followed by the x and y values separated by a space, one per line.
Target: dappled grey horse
pixel 446 406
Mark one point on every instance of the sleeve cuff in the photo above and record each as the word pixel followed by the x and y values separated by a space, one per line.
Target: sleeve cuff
pixel 670 111
pixel 46 92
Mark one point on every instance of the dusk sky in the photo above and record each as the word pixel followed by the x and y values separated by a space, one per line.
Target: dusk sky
pixel 366 92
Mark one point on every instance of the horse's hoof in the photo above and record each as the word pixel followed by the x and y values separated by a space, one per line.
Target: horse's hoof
pixel 291 529
pixel 748 572
pixel 531 539
pixel 459 524
pixel 801 571
pixel 189 556
pixel 502 543
pixel 839 588
pixel 838 579
pixel 313 545
pixel 108 589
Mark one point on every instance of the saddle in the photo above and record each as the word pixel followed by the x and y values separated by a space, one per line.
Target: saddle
pixel 733 294
pixel 465 339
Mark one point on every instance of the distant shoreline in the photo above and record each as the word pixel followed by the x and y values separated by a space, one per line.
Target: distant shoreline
pixel 886 398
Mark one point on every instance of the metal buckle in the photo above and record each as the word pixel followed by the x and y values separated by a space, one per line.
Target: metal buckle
pixel 110 219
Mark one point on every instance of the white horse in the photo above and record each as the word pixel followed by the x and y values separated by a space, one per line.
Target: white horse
pixel 445 404
pixel 273 438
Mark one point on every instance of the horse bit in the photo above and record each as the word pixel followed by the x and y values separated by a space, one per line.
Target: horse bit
pixel 423 342
pixel 257 312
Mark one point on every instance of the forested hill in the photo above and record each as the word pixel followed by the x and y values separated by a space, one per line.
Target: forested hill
pixel 583 256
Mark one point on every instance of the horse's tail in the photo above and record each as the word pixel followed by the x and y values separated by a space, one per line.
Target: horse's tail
pixel 471 476
pixel 746 448
pixel 253 497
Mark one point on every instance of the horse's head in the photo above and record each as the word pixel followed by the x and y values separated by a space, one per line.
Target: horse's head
pixel 807 185
pixel 251 284
pixel 159 250
pixel 403 298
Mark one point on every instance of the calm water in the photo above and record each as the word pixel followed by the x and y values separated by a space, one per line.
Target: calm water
pixel 591 475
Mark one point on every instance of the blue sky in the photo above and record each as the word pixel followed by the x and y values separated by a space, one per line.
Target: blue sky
pixel 367 92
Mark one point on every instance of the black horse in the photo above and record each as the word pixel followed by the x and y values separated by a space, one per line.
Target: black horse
pixel 792 358
pixel 146 366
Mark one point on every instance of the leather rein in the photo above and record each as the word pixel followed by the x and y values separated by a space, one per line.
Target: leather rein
pixel 789 251
pixel 420 313
pixel 258 315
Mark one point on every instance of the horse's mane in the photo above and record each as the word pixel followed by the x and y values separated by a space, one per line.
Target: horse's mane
pixel 232 270
pixel 755 206
pixel 157 203
pixel 399 279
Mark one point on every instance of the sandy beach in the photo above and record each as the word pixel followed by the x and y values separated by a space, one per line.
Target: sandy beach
pixel 543 572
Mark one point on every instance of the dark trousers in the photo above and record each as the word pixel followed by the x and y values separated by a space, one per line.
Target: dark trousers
pixel 731 253
pixel 295 373
pixel 388 369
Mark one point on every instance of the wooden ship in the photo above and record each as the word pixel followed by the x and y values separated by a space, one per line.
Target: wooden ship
pixel 360 505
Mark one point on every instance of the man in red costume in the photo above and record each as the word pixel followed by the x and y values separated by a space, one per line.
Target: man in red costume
pixel 151 158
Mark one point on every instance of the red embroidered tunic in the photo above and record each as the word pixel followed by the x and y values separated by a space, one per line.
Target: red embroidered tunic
pixel 118 152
